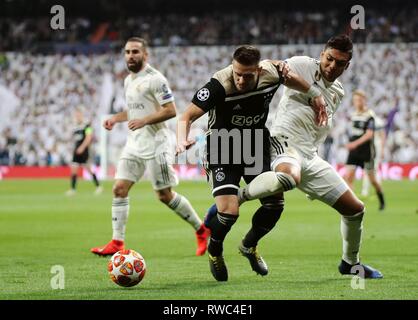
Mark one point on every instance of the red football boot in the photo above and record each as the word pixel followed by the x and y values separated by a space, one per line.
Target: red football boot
pixel 109 249
pixel 202 236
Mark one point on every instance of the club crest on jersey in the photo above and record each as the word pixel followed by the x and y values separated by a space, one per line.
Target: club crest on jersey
pixel 220 176
pixel 165 89
pixel 203 94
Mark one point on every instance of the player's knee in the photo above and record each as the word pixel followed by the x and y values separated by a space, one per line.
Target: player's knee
pixel 120 190
pixel 230 208
pixel 291 172
pixel 354 208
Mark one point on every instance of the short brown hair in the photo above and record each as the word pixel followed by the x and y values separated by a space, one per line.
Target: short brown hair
pixel 140 40
pixel 247 55
pixel 342 43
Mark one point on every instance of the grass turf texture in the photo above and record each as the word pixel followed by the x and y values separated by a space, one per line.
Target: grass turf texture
pixel 41 227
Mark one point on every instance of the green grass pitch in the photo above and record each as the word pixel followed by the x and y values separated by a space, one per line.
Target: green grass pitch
pixel 41 227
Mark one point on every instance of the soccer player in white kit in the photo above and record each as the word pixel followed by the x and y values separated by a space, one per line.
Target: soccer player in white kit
pixel 379 138
pixel 297 132
pixel 150 103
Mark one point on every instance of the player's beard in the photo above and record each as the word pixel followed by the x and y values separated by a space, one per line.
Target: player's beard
pixel 136 66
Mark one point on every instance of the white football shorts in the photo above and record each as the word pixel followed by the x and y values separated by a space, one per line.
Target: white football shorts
pixel 160 169
pixel 319 180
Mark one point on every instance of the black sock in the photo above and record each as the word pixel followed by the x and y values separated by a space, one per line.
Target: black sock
pixel 96 182
pixel 381 198
pixel 73 181
pixel 264 219
pixel 219 225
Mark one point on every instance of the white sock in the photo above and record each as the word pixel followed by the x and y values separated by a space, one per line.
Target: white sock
pixel 351 230
pixel 266 184
pixel 184 209
pixel 365 186
pixel 120 213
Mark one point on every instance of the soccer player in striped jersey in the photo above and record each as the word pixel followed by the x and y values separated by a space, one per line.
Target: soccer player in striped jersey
pixel 237 99
pixel 379 145
pixel 150 103
pixel 362 149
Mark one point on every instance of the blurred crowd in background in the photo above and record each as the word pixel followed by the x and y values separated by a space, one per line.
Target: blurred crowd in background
pixel 174 29
pixel 41 86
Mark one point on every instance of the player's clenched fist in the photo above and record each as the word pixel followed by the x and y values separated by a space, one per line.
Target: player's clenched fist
pixel 108 124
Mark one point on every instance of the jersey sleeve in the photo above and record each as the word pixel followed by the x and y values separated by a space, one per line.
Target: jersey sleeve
pixel 300 64
pixel 271 72
pixel 88 130
pixel 210 95
pixel 161 90
pixel 371 124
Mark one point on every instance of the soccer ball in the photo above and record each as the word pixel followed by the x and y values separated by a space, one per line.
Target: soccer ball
pixel 126 268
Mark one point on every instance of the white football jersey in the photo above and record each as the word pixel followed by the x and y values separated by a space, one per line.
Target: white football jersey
pixel 295 118
pixel 145 93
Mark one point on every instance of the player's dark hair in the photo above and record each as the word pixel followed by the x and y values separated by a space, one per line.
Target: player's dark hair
pixel 247 55
pixel 140 40
pixel 342 43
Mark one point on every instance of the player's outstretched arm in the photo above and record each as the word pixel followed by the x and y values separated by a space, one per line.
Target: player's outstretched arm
pixel 184 123
pixel 290 78
pixel 294 81
pixel 317 101
pixel 167 111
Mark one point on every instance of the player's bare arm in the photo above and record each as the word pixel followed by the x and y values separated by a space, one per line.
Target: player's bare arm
pixel 86 142
pixel 118 117
pixel 293 81
pixel 191 114
pixel 296 82
pixel 167 111
pixel 364 138
pixel 382 135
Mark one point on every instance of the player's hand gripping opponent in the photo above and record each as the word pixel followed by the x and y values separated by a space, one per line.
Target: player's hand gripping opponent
pixel 318 104
pixel 184 145
pixel 319 107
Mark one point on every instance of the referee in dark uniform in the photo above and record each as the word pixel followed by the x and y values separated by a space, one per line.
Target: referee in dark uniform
pixel 83 137
pixel 237 99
